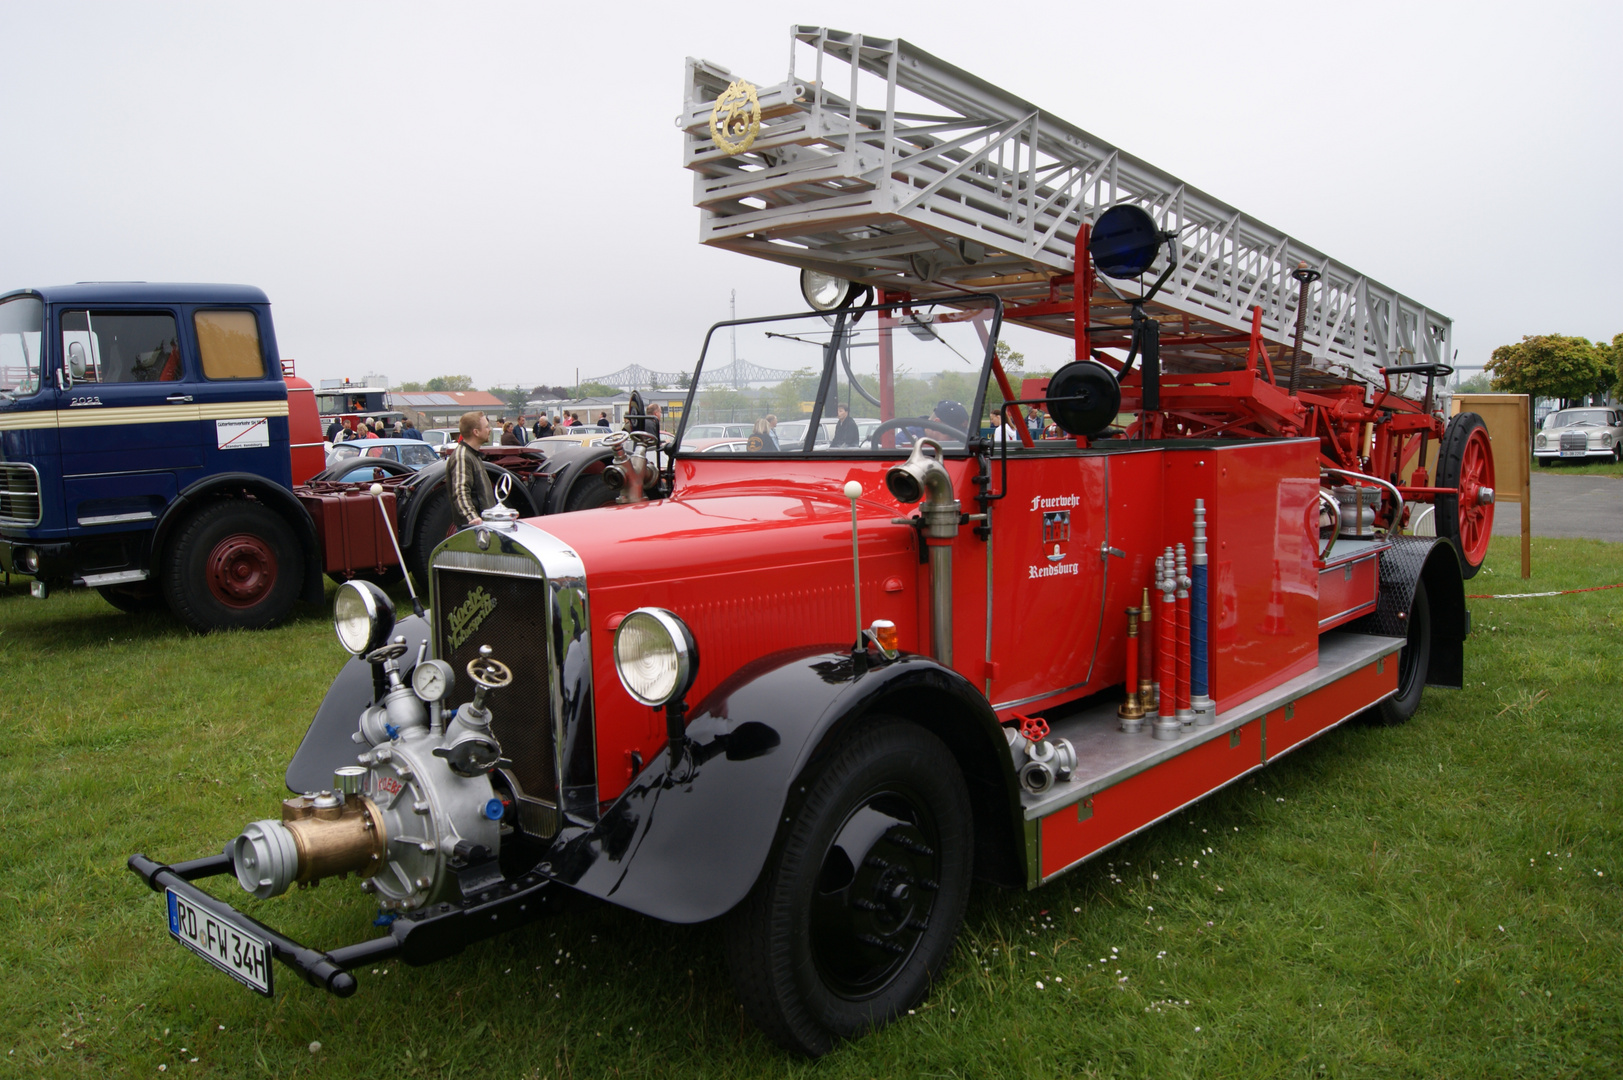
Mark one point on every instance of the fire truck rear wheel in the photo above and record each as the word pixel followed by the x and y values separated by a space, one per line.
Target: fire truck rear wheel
pixel 856 913
pixel 233 564
pixel 1413 660
pixel 1465 463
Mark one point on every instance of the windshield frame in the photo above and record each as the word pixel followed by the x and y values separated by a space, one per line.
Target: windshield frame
pixel 830 362
pixel 42 349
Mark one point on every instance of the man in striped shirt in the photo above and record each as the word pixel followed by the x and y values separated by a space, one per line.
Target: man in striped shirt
pixel 470 485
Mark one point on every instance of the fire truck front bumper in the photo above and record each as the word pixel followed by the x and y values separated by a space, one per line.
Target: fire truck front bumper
pixel 243 946
pixel 43 561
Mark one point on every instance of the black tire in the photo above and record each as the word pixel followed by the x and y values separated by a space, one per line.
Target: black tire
pixel 1543 462
pixel 1464 461
pixel 234 564
pixel 136 598
pixel 434 524
pixel 1413 660
pixel 857 910
pixel 588 493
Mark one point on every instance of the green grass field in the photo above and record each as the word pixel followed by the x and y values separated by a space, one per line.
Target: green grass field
pixel 1436 900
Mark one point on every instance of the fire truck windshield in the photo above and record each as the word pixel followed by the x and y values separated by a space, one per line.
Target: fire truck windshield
pixel 874 379
pixel 21 321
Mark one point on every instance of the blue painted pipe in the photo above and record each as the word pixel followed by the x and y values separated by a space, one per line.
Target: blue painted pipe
pixel 1197 631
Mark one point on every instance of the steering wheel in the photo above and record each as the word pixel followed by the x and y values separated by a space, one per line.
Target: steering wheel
pixel 914 421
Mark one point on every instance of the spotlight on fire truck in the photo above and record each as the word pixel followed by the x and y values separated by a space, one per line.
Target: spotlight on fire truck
pixel 825 292
pixel 1083 397
pixel 1124 242
pixel 363 616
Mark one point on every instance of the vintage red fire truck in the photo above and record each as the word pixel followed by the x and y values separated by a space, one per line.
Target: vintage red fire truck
pixel 817 689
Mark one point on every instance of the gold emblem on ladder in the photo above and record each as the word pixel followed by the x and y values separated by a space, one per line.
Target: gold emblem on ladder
pixel 736 119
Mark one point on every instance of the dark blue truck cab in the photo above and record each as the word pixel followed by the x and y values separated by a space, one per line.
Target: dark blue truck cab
pixel 145 451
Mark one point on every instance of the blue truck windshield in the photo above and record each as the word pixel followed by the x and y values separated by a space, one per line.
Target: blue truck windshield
pixel 22 321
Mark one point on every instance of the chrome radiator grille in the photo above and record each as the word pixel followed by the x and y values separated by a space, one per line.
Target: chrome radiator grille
pixel 1574 440
pixel 19 495
pixel 510 614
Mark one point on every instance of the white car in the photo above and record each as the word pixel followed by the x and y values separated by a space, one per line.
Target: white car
pixel 1587 433
pixel 792 433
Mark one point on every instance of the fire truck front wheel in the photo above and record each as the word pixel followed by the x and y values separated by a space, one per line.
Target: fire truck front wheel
pixel 234 564
pixel 1413 662
pixel 856 912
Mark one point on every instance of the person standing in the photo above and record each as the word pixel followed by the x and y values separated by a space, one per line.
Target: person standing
pixel 471 492
pixel 845 432
pixel 603 421
pixel 410 431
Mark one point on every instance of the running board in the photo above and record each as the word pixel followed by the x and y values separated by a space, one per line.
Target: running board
pixel 1124 783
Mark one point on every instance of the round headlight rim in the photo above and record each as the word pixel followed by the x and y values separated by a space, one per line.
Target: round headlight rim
pixel 812 281
pixel 380 615
pixel 682 643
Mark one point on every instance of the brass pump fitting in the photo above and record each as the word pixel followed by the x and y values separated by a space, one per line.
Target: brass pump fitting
pixel 319 836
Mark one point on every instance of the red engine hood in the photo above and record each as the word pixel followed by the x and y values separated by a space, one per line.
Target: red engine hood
pixel 726 527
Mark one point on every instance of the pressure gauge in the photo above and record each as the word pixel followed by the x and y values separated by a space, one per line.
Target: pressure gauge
pixel 432 680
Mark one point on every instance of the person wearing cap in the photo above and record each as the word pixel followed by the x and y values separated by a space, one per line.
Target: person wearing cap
pixel 955 416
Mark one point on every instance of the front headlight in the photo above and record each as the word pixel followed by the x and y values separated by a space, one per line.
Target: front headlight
pixel 1606 439
pixel 1539 442
pixel 655 656
pixel 363 616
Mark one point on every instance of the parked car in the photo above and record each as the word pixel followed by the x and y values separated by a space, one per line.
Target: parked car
pixel 442 439
pixel 714 446
pixel 718 431
pixel 793 432
pixel 359 460
pixel 586 436
pixel 1581 434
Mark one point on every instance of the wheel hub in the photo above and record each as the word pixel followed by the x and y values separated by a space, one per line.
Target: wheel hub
pixel 241 570
pixel 874 896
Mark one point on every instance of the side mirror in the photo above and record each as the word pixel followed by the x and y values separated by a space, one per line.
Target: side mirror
pixel 1083 397
pixel 76 360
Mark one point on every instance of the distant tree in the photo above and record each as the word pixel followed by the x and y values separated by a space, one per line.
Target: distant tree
pixel 410 388
pixel 448 383
pixel 684 381
pixel 1480 383
pixel 1611 358
pixel 513 396
pixel 1014 361
pixel 597 389
pixel 793 394
pixel 1548 365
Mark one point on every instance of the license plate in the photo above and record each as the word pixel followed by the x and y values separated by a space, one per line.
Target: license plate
pixel 1573 453
pixel 241 955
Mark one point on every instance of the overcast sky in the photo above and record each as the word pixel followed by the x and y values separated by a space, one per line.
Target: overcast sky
pixel 497 190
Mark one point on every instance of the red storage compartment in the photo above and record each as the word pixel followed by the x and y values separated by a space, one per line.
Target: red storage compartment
pixel 350 528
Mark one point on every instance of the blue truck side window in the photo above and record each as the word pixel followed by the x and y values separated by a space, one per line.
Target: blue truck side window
pixel 229 342
pixel 120 346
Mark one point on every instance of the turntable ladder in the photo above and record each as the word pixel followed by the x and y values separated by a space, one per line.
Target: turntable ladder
pixel 877 162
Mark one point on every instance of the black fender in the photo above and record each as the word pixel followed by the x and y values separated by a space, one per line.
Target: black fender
pixel 234 485
pixel 327 743
pixel 431 478
pixel 1435 561
pixel 566 465
pixel 690 836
